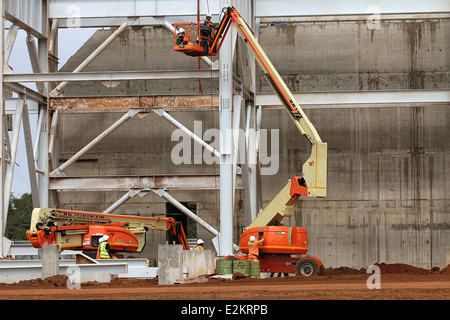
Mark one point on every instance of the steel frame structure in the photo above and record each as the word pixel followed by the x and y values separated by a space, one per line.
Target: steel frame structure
pixel 237 103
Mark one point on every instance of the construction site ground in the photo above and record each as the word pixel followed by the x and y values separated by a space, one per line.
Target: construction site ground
pixel 397 282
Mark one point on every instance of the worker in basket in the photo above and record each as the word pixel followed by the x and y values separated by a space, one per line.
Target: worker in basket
pixel 103 249
pixel 253 248
pixel 199 246
pixel 206 29
pixel 180 36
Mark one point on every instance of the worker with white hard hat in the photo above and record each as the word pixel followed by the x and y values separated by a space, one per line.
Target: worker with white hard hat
pixel 253 248
pixel 100 240
pixel 180 36
pixel 199 246
pixel 103 248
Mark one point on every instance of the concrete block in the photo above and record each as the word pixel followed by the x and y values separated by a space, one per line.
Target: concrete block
pixel 198 262
pixel 170 263
pixel 50 260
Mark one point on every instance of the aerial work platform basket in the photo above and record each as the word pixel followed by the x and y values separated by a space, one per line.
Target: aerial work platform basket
pixel 188 39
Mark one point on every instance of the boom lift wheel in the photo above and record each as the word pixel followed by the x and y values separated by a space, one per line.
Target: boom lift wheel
pixel 307 267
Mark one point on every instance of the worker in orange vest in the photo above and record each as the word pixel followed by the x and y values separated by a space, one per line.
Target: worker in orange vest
pixel 199 246
pixel 253 248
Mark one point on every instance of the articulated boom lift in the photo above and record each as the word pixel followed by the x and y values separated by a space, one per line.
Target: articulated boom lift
pixel 280 242
pixel 79 230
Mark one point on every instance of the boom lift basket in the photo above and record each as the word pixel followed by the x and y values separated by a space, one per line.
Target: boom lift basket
pixel 189 41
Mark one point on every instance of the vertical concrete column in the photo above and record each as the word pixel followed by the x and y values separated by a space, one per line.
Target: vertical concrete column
pixel 170 263
pixel 50 260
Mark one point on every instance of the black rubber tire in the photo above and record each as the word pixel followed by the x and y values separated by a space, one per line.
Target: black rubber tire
pixel 307 267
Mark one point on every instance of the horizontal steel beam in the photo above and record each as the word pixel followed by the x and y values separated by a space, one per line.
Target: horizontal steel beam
pixel 110 76
pixel 28 93
pixel 121 104
pixel 357 99
pixel 125 183
pixel 319 8
pixel 68 9
pixel 308 100
pixel 355 17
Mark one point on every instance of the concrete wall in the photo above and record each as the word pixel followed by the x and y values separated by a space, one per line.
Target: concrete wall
pixel 388 196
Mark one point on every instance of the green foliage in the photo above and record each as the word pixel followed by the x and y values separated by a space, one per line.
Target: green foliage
pixel 19 216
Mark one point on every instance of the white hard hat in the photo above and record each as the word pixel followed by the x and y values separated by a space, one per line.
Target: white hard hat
pixel 100 240
pixel 105 238
pixel 252 238
pixel 180 30
pixel 200 241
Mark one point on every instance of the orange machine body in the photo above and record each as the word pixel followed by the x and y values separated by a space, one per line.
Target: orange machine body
pixel 277 239
pixel 86 237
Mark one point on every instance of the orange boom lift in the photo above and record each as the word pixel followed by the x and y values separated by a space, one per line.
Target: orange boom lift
pixel 79 230
pixel 282 244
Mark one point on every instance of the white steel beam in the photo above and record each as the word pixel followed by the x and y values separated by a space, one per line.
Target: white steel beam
pixel 360 99
pixel 125 183
pixel 289 8
pixel 127 196
pixel 3 213
pixel 68 9
pixel 30 157
pixel 12 164
pixel 226 143
pixel 10 39
pixel 26 92
pixel 186 211
pixel 188 132
pixel 110 76
pixel 93 13
pixel 34 59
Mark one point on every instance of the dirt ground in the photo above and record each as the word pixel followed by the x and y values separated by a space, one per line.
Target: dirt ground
pixel 397 281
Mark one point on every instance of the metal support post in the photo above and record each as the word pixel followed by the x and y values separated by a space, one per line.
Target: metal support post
pixel 53 132
pixel 58 90
pixel 30 156
pixel 34 59
pixel 59 171
pixel 10 39
pixel 226 143
pixel 38 130
pixel 237 146
pixel 10 168
pixel 2 131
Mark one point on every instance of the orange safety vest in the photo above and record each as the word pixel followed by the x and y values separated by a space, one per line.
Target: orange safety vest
pixel 253 249
pixel 199 247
